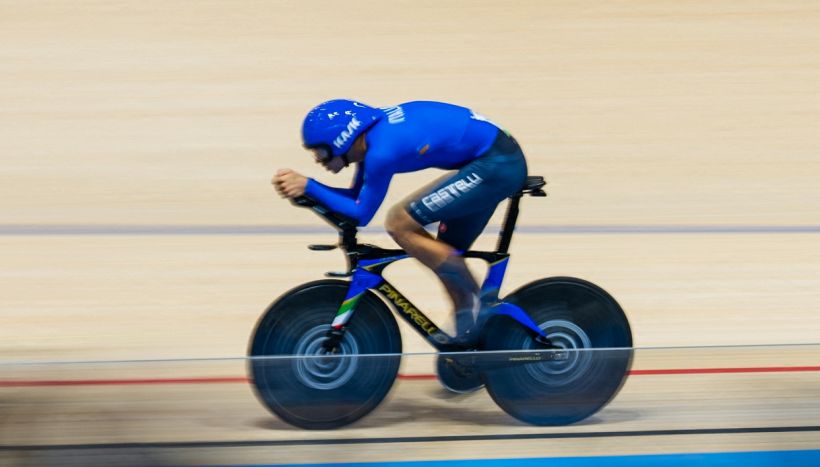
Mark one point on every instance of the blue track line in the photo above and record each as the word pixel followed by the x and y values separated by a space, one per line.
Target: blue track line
pixel 727 459
pixel 250 230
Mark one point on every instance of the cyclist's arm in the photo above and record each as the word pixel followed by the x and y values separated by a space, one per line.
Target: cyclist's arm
pixel 353 191
pixel 362 207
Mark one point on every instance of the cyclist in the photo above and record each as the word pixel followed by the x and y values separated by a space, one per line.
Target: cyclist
pixel 382 142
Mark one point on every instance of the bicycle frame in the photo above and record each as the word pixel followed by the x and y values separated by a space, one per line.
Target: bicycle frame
pixel 367 262
pixel 368 275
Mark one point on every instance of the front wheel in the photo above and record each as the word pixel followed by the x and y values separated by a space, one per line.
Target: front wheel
pixel 576 316
pixel 298 380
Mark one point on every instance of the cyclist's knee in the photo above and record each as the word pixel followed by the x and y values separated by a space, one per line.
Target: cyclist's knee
pixel 398 222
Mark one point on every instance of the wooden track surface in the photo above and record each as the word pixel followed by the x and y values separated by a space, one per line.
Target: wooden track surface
pixel 223 423
pixel 693 115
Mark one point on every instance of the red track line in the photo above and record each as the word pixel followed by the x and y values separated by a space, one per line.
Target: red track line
pixel 703 371
pixel 242 379
pixel 417 377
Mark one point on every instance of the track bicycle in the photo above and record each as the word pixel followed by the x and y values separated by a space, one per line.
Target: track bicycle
pixel 553 352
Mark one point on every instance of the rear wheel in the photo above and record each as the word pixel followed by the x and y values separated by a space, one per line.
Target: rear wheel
pixel 317 389
pixel 578 317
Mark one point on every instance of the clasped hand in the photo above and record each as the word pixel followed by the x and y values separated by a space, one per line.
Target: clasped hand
pixel 289 184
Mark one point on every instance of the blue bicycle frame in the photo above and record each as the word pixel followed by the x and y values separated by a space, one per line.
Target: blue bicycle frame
pixel 368 275
pixel 367 262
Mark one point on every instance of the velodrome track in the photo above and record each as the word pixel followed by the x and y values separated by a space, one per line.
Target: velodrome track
pixel 138 225
pixel 203 412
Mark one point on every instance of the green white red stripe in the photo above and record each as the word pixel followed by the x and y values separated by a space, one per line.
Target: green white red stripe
pixel 345 310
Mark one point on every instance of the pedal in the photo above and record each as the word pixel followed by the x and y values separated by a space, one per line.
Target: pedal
pixel 458 376
pixel 460 369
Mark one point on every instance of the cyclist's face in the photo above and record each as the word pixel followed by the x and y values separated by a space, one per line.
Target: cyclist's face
pixel 335 164
pixel 321 155
pixel 330 163
pixel 358 150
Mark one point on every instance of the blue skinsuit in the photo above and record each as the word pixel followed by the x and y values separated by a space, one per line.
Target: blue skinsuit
pixel 420 135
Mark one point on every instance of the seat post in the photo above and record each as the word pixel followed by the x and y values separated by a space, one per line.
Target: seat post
pixel 505 236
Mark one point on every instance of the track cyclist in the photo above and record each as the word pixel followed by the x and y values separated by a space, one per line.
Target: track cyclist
pixel 408 137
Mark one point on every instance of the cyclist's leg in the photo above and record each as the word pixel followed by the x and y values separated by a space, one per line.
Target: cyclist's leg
pixel 469 198
pixel 442 258
pixel 460 233
pixel 461 221
pixel 410 234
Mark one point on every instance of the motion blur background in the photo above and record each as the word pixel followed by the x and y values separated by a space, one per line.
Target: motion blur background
pixel 137 140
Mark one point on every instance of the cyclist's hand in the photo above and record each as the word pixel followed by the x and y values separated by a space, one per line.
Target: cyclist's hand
pixel 289 184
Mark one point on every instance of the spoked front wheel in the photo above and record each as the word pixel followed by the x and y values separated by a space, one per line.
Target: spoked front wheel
pixel 303 383
pixel 592 333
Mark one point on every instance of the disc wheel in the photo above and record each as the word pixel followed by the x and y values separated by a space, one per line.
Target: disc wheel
pixel 578 317
pixel 306 385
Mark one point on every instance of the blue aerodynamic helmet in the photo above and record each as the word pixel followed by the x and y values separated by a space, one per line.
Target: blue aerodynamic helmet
pixel 337 123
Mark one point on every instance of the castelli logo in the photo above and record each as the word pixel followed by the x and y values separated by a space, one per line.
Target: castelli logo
pixel 347 133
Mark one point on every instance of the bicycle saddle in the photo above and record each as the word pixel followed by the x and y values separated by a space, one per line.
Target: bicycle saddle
pixel 532 186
